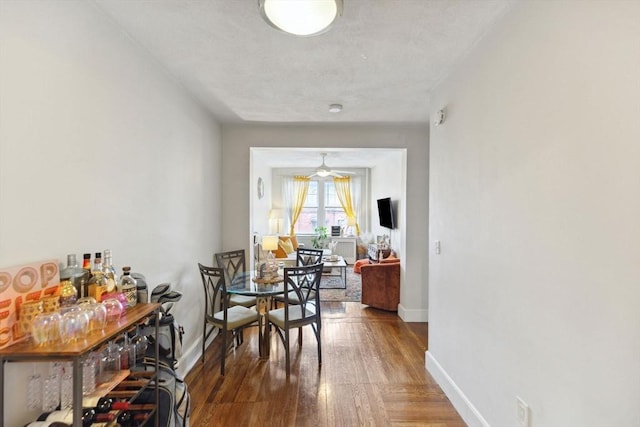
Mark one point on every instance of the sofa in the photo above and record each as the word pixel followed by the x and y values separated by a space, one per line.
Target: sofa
pixel 286 252
pixel 381 284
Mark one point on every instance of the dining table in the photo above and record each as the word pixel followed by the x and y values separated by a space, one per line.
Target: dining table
pixel 264 289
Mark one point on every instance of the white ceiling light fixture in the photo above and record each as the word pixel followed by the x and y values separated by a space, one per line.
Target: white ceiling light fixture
pixel 335 108
pixel 324 171
pixel 301 17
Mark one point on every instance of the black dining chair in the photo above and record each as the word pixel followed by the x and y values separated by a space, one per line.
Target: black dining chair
pixel 219 314
pixel 234 265
pixel 303 257
pixel 308 256
pixel 304 309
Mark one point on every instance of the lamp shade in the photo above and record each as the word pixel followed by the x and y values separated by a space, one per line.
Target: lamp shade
pixel 300 17
pixel 270 243
pixel 275 214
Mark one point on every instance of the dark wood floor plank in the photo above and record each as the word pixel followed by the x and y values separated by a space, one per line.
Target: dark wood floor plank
pixel 372 374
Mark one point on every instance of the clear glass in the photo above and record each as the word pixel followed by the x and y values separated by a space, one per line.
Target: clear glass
pixel 47 329
pixel 66 390
pixel 110 364
pixel 89 373
pixel 114 308
pixel 50 392
pixel 34 390
pixel 75 324
pixel 140 343
pixel 97 316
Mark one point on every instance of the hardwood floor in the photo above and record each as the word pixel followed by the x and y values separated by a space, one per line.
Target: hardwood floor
pixel 372 374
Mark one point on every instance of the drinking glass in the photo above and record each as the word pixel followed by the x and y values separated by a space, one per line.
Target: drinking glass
pixel 28 311
pixel 46 328
pixel 50 392
pixel 75 324
pixel 140 343
pixel 110 363
pixel 34 390
pixel 66 390
pixel 114 309
pixel 89 368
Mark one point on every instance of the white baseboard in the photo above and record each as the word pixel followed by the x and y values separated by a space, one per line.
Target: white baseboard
pixel 463 405
pixel 192 355
pixel 412 315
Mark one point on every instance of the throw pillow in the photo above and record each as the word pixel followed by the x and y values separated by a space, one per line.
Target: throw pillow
pixel 294 241
pixel 286 245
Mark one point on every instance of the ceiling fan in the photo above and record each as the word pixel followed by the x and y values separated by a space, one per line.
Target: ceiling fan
pixel 323 170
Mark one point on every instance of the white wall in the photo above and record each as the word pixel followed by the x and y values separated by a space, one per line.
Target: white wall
pixel 99 148
pixel 384 183
pixel 535 197
pixel 237 140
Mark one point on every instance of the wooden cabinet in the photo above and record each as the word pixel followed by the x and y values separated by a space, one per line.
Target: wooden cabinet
pixel 347 248
pixel 76 352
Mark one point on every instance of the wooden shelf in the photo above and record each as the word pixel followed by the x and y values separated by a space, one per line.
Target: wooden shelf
pixel 27 350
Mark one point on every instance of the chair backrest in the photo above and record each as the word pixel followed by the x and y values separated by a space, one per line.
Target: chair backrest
pixel 233 263
pixel 304 283
pixel 308 256
pixel 215 291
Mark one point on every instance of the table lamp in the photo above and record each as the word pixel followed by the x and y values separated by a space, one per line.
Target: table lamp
pixel 270 244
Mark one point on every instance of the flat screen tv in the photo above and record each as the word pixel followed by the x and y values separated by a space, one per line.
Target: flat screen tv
pixel 385 213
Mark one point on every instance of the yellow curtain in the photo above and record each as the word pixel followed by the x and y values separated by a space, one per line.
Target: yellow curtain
pixel 343 190
pixel 300 189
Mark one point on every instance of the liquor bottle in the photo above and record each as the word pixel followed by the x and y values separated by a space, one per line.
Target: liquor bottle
pixel 86 262
pixel 98 282
pixel 109 271
pixel 128 287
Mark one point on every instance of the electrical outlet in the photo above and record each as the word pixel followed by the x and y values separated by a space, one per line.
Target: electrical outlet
pixel 522 413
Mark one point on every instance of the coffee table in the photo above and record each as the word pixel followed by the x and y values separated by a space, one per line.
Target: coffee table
pixel 340 264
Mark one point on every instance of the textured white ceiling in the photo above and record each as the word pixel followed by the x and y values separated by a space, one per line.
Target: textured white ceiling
pixel 381 59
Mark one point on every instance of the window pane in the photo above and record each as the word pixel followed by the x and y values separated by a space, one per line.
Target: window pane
pixel 335 216
pixel 330 195
pixel 333 213
pixel 312 195
pixel 307 221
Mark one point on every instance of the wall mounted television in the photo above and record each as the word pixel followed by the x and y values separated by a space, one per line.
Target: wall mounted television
pixel 385 213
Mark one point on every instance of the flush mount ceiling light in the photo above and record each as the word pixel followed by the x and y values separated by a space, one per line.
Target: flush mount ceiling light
pixel 335 108
pixel 300 17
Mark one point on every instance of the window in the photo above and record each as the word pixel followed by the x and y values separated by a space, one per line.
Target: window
pixel 321 207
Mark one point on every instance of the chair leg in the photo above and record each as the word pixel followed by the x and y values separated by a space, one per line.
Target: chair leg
pixel 317 331
pixel 300 336
pixel 223 350
pixel 204 338
pixel 286 351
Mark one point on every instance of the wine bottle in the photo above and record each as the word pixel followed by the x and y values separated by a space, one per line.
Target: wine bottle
pixel 106 404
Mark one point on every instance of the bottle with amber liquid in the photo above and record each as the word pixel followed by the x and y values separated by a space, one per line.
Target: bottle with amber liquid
pixel 98 282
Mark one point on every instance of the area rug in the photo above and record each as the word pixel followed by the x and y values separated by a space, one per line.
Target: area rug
pixel 334 285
